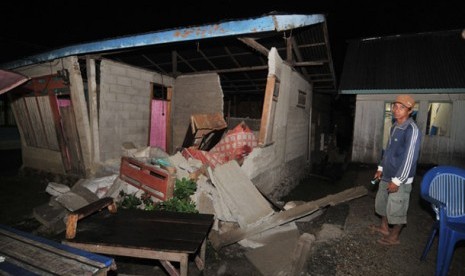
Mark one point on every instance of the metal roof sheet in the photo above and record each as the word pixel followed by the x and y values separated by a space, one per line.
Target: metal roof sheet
pixel 420 63
pixel 235 49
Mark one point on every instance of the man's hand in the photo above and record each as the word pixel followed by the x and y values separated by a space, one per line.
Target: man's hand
pixel 392 188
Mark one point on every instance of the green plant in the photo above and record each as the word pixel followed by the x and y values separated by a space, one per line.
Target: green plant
pixel 180 202
pixel 184 188
pixel 177 205
pixel 129 201
pixel 148 202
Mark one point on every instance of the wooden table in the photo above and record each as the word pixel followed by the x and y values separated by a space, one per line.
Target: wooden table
pixel 22 253
pixel 160 235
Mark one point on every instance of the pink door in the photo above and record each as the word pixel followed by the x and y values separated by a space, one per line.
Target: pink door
pixel 158 124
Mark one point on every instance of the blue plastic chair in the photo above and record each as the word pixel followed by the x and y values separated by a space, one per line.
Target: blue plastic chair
pixel 444 188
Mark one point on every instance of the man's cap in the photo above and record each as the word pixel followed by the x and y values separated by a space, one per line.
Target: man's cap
pixel 406 100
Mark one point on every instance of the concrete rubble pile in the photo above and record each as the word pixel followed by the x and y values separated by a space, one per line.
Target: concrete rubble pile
pixel 242 213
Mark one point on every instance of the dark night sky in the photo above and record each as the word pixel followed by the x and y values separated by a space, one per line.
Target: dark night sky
pixel 30 28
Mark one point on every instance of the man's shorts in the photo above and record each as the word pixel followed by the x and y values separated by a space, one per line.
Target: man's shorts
pixel 394 206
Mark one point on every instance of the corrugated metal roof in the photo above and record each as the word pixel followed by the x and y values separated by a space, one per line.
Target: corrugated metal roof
pixel 420 63
pixel 235 49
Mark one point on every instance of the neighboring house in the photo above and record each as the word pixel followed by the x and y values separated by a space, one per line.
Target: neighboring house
pixel 431 67
pixel 85 101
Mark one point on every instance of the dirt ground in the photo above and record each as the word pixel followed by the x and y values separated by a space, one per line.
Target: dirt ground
pixel 354 253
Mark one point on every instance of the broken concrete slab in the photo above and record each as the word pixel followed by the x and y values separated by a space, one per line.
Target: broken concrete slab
pixel 219 240
pixel 300 256
pixel 80 189
pixel 285 256
pixel 56 189
pixel 51 216
pixel 244 200
pixel 98 186
pixel 118 186
pixel 271 235
pixel 178 161
pixel 189 168
pixel 206 196
pixel 72 201
pixel 271 258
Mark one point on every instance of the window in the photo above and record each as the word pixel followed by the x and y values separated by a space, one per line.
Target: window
pixel 160 92
pixel 302 98
pixel 438 121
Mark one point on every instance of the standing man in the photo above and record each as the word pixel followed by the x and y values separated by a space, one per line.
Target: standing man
pixel 396 171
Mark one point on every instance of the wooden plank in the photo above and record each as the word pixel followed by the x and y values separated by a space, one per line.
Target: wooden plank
pixel 44 257
pixel 93 111
pixel 19 109
pixel 170 268
pixel 71 137
pixel 57 123
pixel 169 96
pixel 80 112
pixel 220 240
pixel 36 122
pixel 47 119
pixel 269 106
pixel 200 258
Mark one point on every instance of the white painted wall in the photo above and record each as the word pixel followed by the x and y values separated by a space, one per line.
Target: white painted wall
pixel 443 150
pixel 276 168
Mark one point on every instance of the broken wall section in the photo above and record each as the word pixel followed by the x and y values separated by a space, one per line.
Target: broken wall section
pixel 48 159
pixel 125 97
pixel 194 94
pixel 276 168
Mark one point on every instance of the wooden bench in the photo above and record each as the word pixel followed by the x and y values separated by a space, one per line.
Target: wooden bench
pixel 22 253
pixel 74 217
pixel 159 235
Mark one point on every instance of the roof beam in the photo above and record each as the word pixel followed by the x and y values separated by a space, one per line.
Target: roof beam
pixel 254 45
pixel 186 62
pixel 328 50
pixel 234 70
pixel 213 66
pixel 310 63
pixel 298 54
pixel 154 64
pixel 312 45
pixel 269 23
pixel 237 64
pixel 207 59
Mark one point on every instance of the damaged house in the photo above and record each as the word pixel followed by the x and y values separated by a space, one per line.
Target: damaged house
pixel 85 102
pixel 240 106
